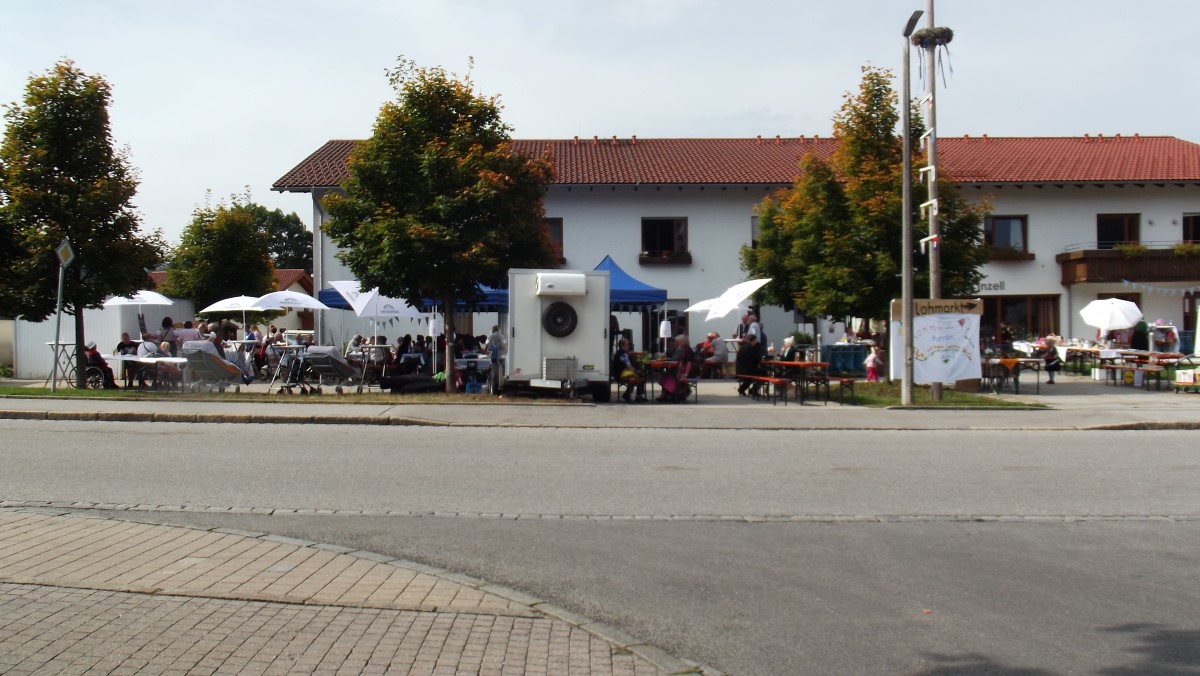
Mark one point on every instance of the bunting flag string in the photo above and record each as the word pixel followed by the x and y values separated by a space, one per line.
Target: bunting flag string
pixel 1164 290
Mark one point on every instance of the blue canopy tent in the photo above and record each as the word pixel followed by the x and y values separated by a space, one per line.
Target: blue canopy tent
pixel 627 294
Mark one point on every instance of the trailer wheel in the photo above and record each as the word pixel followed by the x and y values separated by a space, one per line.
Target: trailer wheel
pixel 560 319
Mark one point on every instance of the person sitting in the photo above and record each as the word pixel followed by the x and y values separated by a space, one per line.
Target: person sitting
pixel 627 371
pixel 749 363
pixel 215 347
pixel 187 333
pixel 95 359
pixel 717 355
pixel 678 389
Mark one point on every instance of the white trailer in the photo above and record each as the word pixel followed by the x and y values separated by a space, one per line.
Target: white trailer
pixel 558 323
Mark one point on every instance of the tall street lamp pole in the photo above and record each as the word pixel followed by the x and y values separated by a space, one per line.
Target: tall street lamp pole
pixel 906 260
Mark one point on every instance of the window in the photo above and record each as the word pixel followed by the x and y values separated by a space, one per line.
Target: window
pixel 1114 229
pixel 664 235
pixel 1006 232
pixel 554 227
pixel 1191 228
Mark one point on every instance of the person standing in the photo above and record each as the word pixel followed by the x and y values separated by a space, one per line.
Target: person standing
pixel 1051 358
pixel 873 362
pixel 749 363
pixel 127 346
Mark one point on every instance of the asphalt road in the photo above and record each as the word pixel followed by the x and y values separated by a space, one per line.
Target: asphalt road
pixel 754 552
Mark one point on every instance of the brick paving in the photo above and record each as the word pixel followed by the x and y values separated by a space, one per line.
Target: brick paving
pixel 85 595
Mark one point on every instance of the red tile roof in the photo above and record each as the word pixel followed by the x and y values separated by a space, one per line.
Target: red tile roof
pixel 1113 159
pixel 284 278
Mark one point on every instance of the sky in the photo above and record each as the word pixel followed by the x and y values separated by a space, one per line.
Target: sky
pixel 219 96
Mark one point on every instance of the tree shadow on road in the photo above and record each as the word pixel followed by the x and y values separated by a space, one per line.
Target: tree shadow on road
pixel 973 664
pixel 1162 650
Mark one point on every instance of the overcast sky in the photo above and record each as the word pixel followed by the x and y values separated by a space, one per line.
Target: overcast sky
pixel 223 94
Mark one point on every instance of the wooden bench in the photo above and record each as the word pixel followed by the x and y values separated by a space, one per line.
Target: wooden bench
pixel 1115 373
pixel 777 388
pixel 843 385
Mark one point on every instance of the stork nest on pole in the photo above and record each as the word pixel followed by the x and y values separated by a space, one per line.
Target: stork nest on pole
pixel 938 36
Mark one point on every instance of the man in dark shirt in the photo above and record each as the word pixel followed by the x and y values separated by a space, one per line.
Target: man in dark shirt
pixel 748 363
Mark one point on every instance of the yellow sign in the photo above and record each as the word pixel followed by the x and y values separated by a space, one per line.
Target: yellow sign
pixel 65 253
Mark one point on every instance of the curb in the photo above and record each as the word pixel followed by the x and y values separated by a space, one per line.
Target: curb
pixel 664 661
pixel 401 421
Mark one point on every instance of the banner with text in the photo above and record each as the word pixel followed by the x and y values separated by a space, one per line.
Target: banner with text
pixel 945 348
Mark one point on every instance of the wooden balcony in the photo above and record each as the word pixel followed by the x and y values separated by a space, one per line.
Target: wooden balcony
pixel 1111 265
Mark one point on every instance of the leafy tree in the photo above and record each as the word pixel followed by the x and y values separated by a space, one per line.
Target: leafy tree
pixel 61 177
pixel 832 242
pixel 288 241
pixel 223 252
pixel 437 201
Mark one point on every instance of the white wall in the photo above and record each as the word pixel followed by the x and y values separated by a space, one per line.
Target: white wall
pixel 1065 218
pixel 33 360
pixel 606 220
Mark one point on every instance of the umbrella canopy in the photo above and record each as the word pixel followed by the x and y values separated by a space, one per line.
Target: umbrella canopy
pixel 143 297
pixel 281 300
pixel 372 304
pixel 1111 314
pixel 241 304
pixel 729 301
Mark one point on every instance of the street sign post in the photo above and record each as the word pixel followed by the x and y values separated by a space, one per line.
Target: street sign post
pixel 66 256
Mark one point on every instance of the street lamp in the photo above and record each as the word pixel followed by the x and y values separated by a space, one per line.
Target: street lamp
pixel 906 262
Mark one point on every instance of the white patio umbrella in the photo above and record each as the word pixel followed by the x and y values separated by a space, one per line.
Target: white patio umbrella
pixel 143 297
pixel 1111 314
pixel 282 300
pixel 140 298
pixel 372 305
pixel 730 300
pixel 237 303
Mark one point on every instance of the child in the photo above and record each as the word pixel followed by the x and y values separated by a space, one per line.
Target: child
pixel 873 362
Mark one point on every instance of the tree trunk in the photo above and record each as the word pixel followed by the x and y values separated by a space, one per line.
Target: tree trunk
pixel 80 357
pixel 448 327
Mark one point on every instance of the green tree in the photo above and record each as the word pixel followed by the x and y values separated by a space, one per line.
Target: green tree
pixel 60 176
pixel 832 242
pixel 437 201
pixel 288 241
pixel 223 252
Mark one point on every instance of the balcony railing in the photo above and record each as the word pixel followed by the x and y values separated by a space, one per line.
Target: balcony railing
pixel 1117 261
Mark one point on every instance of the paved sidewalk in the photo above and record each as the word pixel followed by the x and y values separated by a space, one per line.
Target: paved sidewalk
pixel 80 594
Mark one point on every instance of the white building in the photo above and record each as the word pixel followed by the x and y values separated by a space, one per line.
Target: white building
pixel 675 212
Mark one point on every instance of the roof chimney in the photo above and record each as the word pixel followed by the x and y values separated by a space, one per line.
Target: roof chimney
pixel 1087 139
pixel 985 138
pixel 575 141
pixel 633 140
pixel 595 140
pixel 802 138
pixel 614 141
pixel 778 142
pixel 758 140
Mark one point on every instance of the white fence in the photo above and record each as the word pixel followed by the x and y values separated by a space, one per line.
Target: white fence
pixel 32 357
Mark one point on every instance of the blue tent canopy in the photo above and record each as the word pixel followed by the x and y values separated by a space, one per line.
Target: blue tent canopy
pixel 627 294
